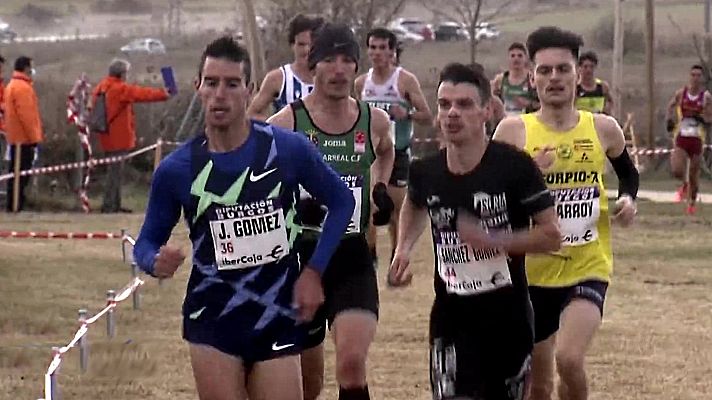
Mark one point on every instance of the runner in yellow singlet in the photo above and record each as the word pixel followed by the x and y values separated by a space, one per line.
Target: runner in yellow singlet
pixel 568 288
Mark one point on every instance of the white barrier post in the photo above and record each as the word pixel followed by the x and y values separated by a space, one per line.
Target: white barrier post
pixel 110 322
pixel 54 386
pixel 136 295
pixel 123 245
pixel 83 345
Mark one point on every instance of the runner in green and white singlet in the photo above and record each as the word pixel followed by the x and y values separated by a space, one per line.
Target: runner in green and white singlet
pixel 395 90
pixel 513 86
pixel 354 140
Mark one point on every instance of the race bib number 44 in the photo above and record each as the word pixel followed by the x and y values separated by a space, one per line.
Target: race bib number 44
pixel 579 210
pixel 249 235
pixel 467 271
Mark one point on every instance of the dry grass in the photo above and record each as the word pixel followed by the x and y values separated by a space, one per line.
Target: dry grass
pixel 654 343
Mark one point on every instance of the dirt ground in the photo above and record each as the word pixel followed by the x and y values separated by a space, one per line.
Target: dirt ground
pixel 654 344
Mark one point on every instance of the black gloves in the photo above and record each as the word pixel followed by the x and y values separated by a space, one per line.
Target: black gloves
pixel 310 211
pixel 670 125
pixel 384 203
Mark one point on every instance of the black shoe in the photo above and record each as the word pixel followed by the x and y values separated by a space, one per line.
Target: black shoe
pixel 125 210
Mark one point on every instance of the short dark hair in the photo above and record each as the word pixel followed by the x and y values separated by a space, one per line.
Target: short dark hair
pixel 22 63
pixel 588 56
pixel 698 66
pixel 226 47
pixel 302 23
pixel 548 37
pixel 383 33
pixel 460 73
pixel 517 46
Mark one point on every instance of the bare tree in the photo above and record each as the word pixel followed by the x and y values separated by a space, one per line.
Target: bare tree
pixel 362 15
pixel 254 41
pixel 468 13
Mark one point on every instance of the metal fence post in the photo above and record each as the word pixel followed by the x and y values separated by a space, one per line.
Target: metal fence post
pixel 110 322
pixel 83 344
pixel 136 295
pixel 54 386
pixel 123 245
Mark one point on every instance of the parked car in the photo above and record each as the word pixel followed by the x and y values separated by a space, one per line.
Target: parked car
pixel 451 31
pixel 144 46
pixel 405 36
pixel 485 31
pixel 6 34
pixel 416 26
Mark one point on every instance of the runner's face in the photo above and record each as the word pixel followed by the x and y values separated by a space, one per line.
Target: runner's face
pixel 379 53
pixel 587 69
pixel 224 92
pixel 461 115
pixel 334 76
pixel 517 59
pixel 695 78
pixel 555 76
pixel 301 46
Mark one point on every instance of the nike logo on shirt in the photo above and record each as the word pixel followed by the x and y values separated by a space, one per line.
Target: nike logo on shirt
pixel 255 178
pixel 276 347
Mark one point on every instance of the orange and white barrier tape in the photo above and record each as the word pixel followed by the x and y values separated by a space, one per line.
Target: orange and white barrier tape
pixel 63 235
pixel 82 164
pixel 83 329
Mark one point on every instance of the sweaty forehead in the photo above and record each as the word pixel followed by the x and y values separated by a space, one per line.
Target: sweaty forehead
pixel 554 56
pixel 453 92
pixel 223 68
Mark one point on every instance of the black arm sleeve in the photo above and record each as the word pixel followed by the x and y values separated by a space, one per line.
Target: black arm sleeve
pixel 628 178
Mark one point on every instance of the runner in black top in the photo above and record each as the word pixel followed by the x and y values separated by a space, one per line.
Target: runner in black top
pixel 480 197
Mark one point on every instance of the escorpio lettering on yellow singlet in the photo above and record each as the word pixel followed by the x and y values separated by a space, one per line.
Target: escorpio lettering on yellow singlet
pixel 248 235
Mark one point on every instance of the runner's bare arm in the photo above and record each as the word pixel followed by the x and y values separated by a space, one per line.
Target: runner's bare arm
pixel 271 85
pixel 497 84
pixel 608 105
pixel 610 134
pixel 414 94
pixel 358 86
pixel 497 109
pixel 670 112
pixel 412 221
pixel 511 130
pixel 382 146
pixel 283 118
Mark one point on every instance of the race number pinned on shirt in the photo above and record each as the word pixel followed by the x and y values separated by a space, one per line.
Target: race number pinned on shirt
pixel 579 210
pixel 249 235
pixel 689 127
pixel 355 184
pixel 468 271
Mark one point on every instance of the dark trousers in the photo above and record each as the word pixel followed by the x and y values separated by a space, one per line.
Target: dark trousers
pixel 112 186
pixel 27 157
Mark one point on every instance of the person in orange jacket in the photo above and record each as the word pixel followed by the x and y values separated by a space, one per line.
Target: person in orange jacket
pixel 22 124
pixel 2 89
pixel 120 137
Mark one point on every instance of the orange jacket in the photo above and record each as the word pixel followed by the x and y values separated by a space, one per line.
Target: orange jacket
pixel 22 113
pixel 120 97
pixel 2 106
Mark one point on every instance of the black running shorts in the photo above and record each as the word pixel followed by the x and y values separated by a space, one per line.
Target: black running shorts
pixel 350 283
pixel 399 176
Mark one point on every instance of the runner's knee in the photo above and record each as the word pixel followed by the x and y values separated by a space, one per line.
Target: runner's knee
pixel 569 362
pixel 350 367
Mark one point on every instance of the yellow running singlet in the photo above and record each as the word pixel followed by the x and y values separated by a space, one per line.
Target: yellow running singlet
pixel 576 182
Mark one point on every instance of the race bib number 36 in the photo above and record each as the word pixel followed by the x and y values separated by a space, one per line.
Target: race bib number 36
pixel 249 235
pixel 579 210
